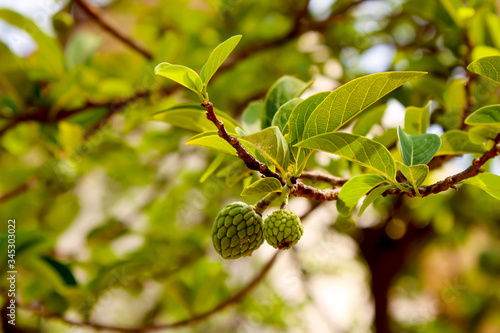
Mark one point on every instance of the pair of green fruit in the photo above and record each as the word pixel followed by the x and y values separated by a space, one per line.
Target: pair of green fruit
pixel 238 230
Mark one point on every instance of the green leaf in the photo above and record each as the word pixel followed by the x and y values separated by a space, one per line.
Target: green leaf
pixel 180 74
pixel 456 142
pixel 272 145
pixel 372 196
pixel 62 269
pixel 455 102
pixel 488 67
pixel 283 90
pixel 486 181
pixel 217 57
pixel 418 149
pixel 349 100
pixel 370 118
pixel 193 117
pixel 356 148
pixel 283 114
pixel 81 49
pixel 212 167
pixel 417 119
pixel 486 116
pixel 297 123
pixel 251 117
pixel 49 54
pixel 212 140
pixel 264 185
pixel 354 190
pixel 415 174
pixel 480 134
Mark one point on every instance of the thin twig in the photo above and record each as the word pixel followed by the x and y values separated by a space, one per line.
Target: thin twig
pixel 94 13
pixel 452 181
pixel 18 190
pixel 251 162
pixel 197 318
pixel 301 190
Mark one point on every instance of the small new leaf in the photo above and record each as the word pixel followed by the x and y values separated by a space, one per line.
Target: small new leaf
pixel 415 174
pixel 264 185
pixel 182 75
pixel 418 149
pixel 217 57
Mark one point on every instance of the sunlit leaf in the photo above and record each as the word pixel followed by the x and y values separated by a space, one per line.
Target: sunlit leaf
pixel 180 74
pixel 369 119
pixel 372 196
pixel 488 67
pixel 488 116
pixel 417 119
pixel 456 142
pixel 251 117
pixel 488 182
pixel 217 57
pixel 193 117
pixel 356 148
pixel 347 101
pixel 354 190
pixel 272 145
pixel 212 140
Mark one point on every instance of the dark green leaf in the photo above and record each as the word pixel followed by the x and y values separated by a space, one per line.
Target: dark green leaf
pixel 282 91
pixel 418 149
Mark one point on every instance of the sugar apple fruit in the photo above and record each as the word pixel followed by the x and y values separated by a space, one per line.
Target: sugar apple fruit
pixel 58 176
pixel 237 231
pixel 283 229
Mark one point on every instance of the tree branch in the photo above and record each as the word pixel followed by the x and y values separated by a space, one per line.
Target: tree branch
pixel 18 190
pixel 309 192
pixel 316 177
pixel 450 182
pixel 94 13
pixel 251 162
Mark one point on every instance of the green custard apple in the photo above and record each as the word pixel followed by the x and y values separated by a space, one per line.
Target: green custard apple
pixel 237 231
pixel 283 229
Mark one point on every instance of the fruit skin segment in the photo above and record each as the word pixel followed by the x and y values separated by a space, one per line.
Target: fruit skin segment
pixel 283 229
pixel 237 231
